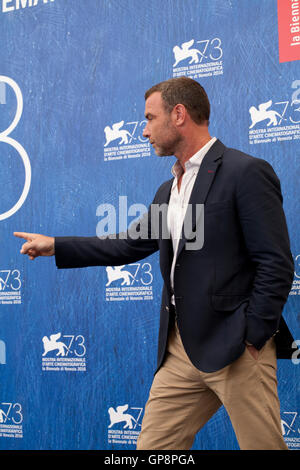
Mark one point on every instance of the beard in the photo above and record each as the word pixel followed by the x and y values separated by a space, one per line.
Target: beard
pixel 170 143
pixel 164 151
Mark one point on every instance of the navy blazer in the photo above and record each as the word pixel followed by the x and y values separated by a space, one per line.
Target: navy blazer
pixel 233 288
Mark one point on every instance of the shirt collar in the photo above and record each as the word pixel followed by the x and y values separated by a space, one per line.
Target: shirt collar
pixel 194 162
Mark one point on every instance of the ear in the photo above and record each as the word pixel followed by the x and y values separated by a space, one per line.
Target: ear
pixel 179 114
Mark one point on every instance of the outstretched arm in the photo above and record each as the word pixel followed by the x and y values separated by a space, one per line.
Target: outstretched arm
pixel 138 242
pixel 79 252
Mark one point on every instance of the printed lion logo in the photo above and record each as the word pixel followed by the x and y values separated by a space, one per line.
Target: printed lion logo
pixel 119 415
pixel 116 273
pixel 52 344
pixel 262 113
pixel 115 132
pixel 184 52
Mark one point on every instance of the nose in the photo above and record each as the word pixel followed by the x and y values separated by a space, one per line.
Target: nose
pixel 146 132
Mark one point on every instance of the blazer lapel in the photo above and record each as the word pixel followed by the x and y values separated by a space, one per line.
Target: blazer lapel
pixel 165 192
pixel 204 180
pixel 165 244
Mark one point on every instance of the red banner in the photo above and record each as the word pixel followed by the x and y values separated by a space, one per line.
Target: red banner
pixel 289 30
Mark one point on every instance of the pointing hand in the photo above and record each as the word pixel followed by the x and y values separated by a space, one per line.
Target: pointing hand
pixel 36 244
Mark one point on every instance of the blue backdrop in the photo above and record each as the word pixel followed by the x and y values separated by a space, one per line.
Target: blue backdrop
pixel 78 347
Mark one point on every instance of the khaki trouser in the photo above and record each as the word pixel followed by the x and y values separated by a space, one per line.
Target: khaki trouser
pixel 182 399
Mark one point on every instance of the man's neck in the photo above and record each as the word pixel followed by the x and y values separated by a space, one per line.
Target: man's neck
pixel 191 145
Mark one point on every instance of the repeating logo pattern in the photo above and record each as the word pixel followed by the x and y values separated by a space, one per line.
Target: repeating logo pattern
pixel 276 121
pixel 10 287
pixel 129 282
pixel 126 424
pixel 125 141
pixel 64 353
pixel 11 419
pixel 198 59
pixel 291 429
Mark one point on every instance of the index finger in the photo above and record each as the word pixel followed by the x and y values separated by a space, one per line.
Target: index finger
pixel 25 235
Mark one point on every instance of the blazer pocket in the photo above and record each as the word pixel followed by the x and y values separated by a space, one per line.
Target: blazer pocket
pixel 228 303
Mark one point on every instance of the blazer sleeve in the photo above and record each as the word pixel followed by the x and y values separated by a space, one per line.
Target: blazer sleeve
pixel 113 250
pixel 264 227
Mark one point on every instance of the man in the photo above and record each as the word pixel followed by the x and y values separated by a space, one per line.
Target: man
pixel 222 301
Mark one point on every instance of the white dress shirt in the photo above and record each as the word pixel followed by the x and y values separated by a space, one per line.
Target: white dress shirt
pixel 179 199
